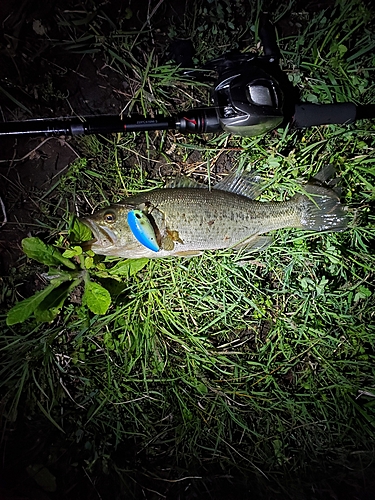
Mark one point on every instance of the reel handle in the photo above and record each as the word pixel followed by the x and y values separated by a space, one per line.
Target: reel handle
pixel 267 34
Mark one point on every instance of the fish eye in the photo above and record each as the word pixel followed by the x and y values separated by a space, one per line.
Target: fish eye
pixel 109 217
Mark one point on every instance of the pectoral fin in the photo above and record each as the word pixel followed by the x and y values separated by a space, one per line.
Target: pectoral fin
pixel 169 239
pixel 167 243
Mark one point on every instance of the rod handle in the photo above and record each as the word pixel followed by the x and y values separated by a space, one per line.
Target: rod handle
pixel 308 115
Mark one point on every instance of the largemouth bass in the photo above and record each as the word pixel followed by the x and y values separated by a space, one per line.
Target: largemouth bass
pixel 185 221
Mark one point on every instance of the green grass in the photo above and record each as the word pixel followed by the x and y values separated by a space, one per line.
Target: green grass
pixel 260 366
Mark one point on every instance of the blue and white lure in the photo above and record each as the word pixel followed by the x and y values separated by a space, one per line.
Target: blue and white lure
pixel 142 229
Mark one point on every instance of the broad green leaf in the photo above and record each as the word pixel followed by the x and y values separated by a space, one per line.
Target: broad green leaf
pixel 59 274
pixel 362 293
pixel 79 232
pixel 202 388
pixel 72 252
pixel 36 249
pixel 96 298
pixel 48 315
pixel 128 267
pixel 24 309
pixel 89 262
pixel 51 306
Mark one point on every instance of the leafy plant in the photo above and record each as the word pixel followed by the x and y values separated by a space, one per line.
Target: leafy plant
pixel 68 270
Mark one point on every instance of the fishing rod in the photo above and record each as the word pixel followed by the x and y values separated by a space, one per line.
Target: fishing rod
pixel 251 96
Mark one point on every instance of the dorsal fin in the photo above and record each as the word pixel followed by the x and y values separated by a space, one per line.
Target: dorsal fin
pixel 184 182
pixel 246 184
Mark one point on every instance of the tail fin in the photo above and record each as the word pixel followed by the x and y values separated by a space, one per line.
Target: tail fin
pixel 321 210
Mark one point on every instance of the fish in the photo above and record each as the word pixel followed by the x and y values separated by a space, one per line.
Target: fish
pixel 186 219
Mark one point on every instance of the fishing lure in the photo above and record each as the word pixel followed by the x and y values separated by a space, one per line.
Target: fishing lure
pixel 142 229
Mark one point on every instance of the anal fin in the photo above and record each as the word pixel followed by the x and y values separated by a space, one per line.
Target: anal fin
pixel 254 244
pixel 188 253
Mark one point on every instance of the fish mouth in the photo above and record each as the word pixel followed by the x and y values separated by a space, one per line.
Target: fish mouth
pixel 103 236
